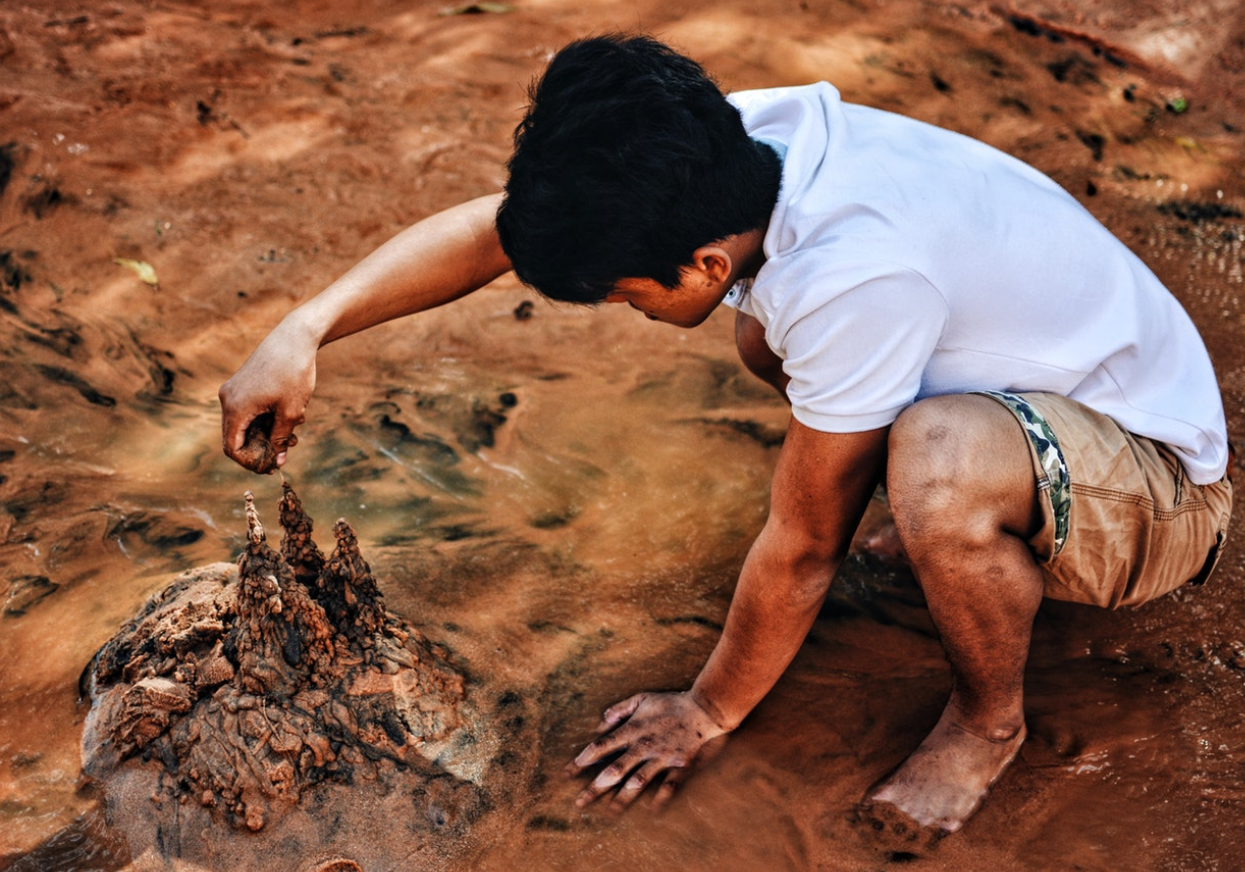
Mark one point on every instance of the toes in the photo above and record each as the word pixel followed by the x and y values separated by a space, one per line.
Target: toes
pixel 888 829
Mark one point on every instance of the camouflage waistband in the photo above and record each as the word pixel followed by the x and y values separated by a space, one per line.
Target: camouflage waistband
pixel 1057 483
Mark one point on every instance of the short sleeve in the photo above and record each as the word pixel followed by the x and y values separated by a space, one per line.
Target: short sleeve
pixel 856 357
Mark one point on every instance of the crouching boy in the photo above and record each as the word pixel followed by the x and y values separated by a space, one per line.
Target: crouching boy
pixel 1044 412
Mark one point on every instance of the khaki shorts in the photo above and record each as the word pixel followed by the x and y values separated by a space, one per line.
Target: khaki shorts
pixel 1122 524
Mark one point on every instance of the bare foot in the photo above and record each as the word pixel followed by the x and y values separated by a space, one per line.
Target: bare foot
pixel 944 780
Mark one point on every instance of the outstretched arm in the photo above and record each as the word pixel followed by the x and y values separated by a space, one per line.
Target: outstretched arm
pixel 439 259
pixel 821 487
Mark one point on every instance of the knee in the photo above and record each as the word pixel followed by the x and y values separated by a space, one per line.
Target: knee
pixel 949 465
pixel 927 453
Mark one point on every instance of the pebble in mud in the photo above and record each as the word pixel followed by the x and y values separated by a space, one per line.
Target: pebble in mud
pixel 247 688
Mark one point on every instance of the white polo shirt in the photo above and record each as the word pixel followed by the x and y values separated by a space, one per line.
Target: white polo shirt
pixel 905 261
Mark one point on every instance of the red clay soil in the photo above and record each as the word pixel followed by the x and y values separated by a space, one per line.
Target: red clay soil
pixel 560 498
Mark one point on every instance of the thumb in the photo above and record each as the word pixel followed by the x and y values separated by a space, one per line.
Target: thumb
pixel 282 437
pixel 282 434
pixel 620 711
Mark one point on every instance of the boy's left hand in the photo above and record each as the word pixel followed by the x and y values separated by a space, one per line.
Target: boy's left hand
pixel 652 734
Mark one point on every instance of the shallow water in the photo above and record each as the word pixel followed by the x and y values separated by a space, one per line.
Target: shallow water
pixel 584 547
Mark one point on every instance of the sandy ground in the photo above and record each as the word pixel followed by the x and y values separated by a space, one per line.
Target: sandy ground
pixel 585 547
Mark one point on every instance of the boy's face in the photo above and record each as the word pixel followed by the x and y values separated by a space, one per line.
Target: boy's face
pixel 713 271
pixel 686 305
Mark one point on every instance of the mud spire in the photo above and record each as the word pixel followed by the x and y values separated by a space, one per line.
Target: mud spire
pixel 250 687
pixel 297 547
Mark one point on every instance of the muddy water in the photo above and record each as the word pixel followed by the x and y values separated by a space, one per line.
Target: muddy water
pixel 563 499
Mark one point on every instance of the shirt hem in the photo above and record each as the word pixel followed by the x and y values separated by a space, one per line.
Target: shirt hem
pixel 844 423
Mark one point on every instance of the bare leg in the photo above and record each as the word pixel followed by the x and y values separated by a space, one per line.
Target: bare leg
pixel 962 492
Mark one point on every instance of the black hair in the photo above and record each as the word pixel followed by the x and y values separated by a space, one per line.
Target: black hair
pixel 628 159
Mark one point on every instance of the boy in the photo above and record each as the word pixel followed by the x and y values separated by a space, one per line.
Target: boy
pixel 1044 412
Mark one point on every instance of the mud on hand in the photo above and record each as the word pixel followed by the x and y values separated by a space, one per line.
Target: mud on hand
pixel 258 453
pixel 654 739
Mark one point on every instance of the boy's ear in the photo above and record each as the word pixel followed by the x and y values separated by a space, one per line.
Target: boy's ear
pixel 714 261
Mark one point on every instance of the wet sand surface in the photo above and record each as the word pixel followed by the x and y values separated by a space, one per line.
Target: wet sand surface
pixel 562 498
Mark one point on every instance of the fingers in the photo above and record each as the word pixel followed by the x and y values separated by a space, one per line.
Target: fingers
pixel 257 439
pixel 631 774
pixel 283 438
pixel 603 783
pixel 232 425
pixel 676 775
pixel 636 783
pixel 668 788
pixel 603 746
pixel 631 766
pixel 244 429
pixel 282 435
pixel 264 401
pixel 635 751
pixel 596 751
pixel 642 760
pixel 620 711
pixel 649 743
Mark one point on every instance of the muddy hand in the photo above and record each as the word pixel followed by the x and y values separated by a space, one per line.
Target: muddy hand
pixel 265 400
pixel 261 452
pixel 262 446
pixel 656 737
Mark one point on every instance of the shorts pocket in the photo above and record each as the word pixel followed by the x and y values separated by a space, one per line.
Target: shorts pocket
pixel 1212 558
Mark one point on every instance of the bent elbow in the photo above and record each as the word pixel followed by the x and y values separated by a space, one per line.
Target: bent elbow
pixel 810 576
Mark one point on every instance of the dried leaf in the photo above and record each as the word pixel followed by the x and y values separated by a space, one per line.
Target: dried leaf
pixel 145 271
pixel 478 9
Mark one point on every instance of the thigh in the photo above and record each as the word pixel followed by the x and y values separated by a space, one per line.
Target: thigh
pixel 1122 524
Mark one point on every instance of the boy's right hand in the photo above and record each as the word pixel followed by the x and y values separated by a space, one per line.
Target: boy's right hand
pixel 265 400
pixel 432 262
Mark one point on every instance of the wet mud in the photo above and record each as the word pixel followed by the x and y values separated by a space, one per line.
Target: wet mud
pixel 279 694
pixel 560 498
